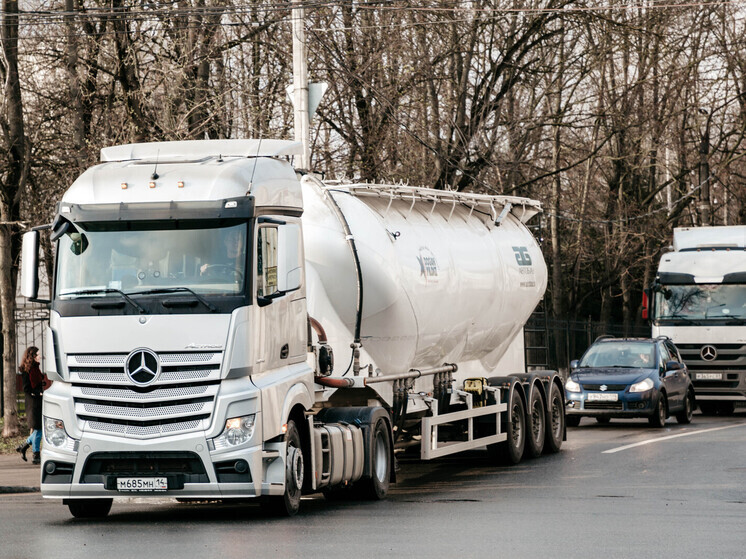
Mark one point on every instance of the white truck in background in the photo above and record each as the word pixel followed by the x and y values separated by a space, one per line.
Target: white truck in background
pixel 698 300
pixel 223 326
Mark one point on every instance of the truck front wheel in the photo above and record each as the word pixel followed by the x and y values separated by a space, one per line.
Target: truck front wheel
pixel 289 503
pixel 89 508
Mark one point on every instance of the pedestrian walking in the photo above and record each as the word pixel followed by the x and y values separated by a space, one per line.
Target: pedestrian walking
pixel 34 382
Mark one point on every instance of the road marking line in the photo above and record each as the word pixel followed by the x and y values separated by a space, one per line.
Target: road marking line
pixel 668 437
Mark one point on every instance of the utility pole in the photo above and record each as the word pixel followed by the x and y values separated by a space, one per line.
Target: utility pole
pixel 300 83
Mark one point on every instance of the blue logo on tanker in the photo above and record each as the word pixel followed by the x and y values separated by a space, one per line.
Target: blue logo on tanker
pixel 428 264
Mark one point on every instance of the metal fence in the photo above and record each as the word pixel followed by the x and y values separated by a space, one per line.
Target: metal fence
pixel 31 328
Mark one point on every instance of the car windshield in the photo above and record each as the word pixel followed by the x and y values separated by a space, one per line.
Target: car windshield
pixel 619 354
pixel 712 302
pixel 96 259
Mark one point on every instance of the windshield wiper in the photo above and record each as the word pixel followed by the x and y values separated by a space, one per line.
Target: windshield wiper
pixel 678 317
pixel 105 291
pixel 157 290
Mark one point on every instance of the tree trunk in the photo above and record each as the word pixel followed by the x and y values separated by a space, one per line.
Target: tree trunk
pixel 10 190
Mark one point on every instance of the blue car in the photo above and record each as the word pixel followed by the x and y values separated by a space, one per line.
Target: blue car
pixel 629 377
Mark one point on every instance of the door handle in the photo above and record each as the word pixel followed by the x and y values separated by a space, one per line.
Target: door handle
pixel 284 352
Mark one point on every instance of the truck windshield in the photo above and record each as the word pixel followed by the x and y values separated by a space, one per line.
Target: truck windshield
pixel 702 302
pixel 139 257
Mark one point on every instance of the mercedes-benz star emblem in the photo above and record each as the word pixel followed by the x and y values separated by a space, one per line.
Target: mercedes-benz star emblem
pixel 142 367
pixel 708 353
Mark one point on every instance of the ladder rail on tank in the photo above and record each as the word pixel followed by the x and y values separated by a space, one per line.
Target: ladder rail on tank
pixel 522 208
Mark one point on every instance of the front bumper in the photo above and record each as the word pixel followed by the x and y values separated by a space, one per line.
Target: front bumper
pixel 627 405
pixel 192 469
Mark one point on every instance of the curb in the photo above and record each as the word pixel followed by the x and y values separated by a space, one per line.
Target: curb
pixel 17 489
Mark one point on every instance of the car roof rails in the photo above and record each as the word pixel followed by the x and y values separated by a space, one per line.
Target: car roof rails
pixel 663 338
pixel 603 337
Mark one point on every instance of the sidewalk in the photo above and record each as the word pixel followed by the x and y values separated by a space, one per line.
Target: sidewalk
pixel 17 476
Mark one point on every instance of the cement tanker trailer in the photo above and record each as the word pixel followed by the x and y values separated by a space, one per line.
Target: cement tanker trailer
pixel 223 327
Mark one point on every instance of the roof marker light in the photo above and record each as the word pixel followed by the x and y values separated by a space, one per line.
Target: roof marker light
pixel 180 184
pixel 151 184
pixel 124 186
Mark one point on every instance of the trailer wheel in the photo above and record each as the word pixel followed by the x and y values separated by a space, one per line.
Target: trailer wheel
pixel 555 420
pixel 376 486
pixel 288 504
pixel 89 508
pixel 514 420
pixel 536 415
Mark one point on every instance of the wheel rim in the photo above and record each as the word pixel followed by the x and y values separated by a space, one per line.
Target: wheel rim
pixel 295 469
pixel 380 460
pixel 556 418
pixel 516 419
pixel 537 423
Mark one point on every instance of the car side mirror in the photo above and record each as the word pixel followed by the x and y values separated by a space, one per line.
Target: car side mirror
pixel 673 366
pixel 574 364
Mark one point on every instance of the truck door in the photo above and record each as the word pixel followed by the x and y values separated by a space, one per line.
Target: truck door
pixel 280 333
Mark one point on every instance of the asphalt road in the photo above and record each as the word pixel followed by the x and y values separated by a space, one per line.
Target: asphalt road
pixel 620 490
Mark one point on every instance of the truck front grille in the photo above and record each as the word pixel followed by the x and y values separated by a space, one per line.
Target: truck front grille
pixel 730 357
pixel 182 398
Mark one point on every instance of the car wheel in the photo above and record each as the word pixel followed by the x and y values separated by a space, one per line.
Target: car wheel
pixel 685 415
pixel 572 420
pixel 660 413
pixel 603 420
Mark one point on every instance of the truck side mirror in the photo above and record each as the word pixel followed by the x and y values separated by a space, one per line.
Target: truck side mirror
pixel 646 296
pixel 30 265
pixel 289 264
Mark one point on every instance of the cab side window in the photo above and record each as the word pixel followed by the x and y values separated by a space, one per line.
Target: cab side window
pixel 266 261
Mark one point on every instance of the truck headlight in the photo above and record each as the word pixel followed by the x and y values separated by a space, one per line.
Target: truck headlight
pixel 642 386
pixel 238 430
pixel 572 386
pixel 55 434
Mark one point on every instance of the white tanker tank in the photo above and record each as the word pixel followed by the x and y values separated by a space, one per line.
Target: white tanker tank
pixel 446 277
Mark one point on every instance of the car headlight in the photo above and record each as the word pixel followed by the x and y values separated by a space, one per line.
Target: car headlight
pixel 55 434
pixel 237 431
pixel 642 386
pixel 572 386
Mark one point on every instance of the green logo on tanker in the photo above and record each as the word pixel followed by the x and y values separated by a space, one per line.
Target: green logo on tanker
pixel 522 256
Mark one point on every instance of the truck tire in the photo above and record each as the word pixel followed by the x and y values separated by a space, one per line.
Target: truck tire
pixel 89 508
pixel 288 504
pixel 376 487
pixel 555 420
pixel 685 415
pixel 660 413
pixel 707 408
pixel 536 414
pixel 514 421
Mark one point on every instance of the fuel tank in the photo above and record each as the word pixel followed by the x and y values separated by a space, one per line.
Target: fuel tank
pixel 441 281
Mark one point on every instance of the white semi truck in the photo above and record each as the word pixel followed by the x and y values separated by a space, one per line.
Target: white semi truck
pixel 223 326
pixel 699 301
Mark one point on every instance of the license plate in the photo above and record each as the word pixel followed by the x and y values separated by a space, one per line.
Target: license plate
pixel 603 396
pixel 142 484
pixel 708 376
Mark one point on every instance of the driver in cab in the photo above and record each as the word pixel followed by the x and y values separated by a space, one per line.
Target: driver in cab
pixel 231 259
